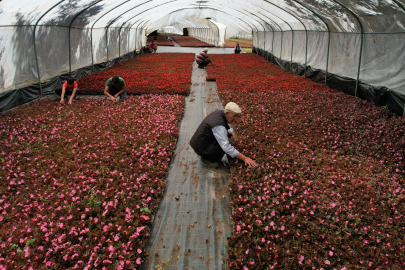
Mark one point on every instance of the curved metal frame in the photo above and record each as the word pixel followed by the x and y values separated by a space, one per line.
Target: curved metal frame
pixel 70 27
pixel 216 10
pixel 361 43
pixel 282 32
pixel 306 53
pixel 264 47
pixel 119 34
pixel 136 32
pixel 292 31
pixel 197 8
pixel 399 4
pixel 91 33
pixel 403 8
pixel 249 24
pixel 116 18
pixel 35 46
pixel 112 21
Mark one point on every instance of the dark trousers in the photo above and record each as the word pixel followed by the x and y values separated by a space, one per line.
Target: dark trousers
pixel 214 153
pixel 67 92
pixel 203 63
pixel 112 89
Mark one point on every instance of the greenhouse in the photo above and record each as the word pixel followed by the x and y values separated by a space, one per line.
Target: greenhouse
pixel 100 102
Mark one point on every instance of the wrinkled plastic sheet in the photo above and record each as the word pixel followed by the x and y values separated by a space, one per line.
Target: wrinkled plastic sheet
pixel 13 98
pixel 380 95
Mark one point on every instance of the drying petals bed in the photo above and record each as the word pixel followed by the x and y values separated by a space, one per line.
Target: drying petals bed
pixel 329 190
pixel 80 183
pixel 185 41
pixel 161 73
pixel 247 72
pixel 160 40
pixel 243 43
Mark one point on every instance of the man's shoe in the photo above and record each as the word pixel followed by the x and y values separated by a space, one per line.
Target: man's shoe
pixel 210 163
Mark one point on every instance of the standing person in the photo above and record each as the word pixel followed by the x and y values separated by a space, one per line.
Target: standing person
pixel 69 87
pixel 115 87
pixel 211 142
pixel 238 49
pixel 203 59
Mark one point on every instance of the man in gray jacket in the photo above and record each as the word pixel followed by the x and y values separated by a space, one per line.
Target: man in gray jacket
pixel 211 140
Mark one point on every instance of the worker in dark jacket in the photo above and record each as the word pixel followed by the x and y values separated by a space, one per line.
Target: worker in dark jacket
pixel 211 140
pixel 203 59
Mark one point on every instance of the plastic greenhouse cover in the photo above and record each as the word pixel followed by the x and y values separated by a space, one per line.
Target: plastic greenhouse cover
pixel 222 31
pixel 102 30
pixel 217 16
pixel 193 24
pixel 381 16
pixel 217 28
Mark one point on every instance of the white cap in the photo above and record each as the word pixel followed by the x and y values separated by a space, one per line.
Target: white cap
pixel 233 108
pixel 205 49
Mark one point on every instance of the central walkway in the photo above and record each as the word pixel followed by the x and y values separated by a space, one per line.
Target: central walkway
pixel 192 223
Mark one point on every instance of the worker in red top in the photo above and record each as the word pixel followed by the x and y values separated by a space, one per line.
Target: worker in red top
pixel 69 87
pixel 203 59
pixel 152 47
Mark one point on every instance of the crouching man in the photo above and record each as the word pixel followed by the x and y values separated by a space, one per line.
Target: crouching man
pixel 211 140
pixel 115 88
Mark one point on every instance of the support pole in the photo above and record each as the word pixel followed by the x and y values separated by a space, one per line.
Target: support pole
pixel 281 43
pixel 70 27
pixel 306 52
pixel 35 47
pixel 361 44
pixel 91 34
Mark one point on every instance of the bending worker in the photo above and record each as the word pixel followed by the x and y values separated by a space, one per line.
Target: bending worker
pixel 211 142
pixel 202 59
pixel 153 47
pixel 115 88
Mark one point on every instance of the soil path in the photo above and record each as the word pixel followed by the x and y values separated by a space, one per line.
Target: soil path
pixel 192 223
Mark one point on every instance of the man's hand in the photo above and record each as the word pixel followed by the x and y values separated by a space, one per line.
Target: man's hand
pixel 250 162
pixel 113 99
pixel 70 101
pixel 116 95
pixel 62 101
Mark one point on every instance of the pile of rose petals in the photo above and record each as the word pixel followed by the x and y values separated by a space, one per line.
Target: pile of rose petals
pixel 160 41
pixel 186 41
pixel 329 190
pixel 80 183
pixel 161 73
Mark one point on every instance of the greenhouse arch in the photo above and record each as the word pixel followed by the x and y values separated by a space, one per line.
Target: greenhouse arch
pixel 353 46
pixel 226 134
